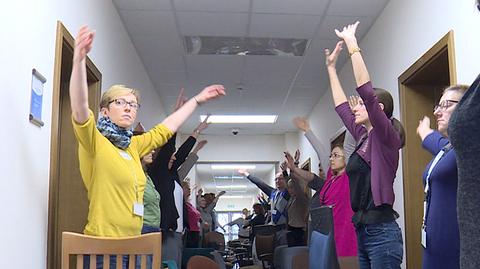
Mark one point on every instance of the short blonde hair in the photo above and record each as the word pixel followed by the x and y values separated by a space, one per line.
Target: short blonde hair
pixel 460 88
pixel 115 91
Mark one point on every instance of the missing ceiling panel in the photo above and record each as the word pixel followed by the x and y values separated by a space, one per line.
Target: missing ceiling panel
pixel 218 45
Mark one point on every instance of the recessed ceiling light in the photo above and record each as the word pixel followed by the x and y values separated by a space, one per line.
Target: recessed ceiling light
pixel 228 177
pixel 232 166
pixel 235 196
pixel 240 118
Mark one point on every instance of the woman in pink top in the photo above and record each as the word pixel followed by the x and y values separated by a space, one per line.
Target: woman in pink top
pixel 336 192
pixel 193 217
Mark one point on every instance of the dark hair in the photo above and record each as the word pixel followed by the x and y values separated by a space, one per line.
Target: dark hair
pixel 478 5
pixel 258 208
pixel 385 98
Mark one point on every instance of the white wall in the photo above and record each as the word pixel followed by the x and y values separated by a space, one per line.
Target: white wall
pixel 404 31
pixel 28 41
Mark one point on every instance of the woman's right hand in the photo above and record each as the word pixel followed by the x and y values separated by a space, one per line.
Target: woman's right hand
pixel 331 57
pixel 83 44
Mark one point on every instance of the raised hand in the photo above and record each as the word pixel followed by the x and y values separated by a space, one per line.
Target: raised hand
pixel 290 160
pixel 296 158
pixel 221 193
pixel 181 99
pixel 283 165
pixel 353 101
pixel 302 123
pixel 200 191
pixel 331 57
pixel 423 128
pixel 209 93
pixel 243 172
pixel 202 126
pixel 83 43
pixel 348 32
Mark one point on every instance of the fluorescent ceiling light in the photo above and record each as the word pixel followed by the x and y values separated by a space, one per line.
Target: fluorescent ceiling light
pixel 232 187
pixel 228 177
pixel 240 118
pixel 232 166
pixel 235 196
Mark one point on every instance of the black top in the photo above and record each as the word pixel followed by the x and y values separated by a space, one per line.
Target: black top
pixel 316 184
pixel 464 134
pixel 361 199
pixel 164 180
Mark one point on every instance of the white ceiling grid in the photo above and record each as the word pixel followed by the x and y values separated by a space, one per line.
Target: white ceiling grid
pixel 287 86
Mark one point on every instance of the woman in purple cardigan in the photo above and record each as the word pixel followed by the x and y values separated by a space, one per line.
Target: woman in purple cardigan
pixel 372 167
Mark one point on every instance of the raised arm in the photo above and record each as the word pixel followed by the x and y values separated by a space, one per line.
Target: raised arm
pixel 304 125
pixel 212 205
pixel 359 68
pixel 338 94
pixel 183 152
pixel 177 118
pixel 78 78
pixel 257 181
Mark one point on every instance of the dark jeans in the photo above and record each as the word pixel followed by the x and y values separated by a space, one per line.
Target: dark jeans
pixel 146 230
pixel 380 246
pixel 295 237
pixel 192 240
pixel 113 262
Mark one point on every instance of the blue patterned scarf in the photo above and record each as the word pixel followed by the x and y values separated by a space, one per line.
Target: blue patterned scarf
pixel 120 137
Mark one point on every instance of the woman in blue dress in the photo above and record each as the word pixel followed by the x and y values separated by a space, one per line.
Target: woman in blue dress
pixel 440 235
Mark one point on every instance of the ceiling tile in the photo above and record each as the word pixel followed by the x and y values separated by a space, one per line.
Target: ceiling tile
pixel 212 5
pixel 160 54
pixel 148 22
pixel 283 26
pixel 327 29
pixel 315 7
pixel 357 8
pixel 219 69
pixel 270 69
pixel 212 24
pixel 143 4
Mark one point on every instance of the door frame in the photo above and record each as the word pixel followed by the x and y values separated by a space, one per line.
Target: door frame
pixel 410 187
pixel 64 40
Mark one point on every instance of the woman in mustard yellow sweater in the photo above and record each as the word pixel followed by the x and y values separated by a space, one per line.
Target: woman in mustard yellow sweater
pixel 108 154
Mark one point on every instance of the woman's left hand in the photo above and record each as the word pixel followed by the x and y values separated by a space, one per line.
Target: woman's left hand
pixel 348 32
pixel 209 93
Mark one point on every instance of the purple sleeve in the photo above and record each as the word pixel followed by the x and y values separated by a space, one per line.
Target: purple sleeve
pixel 343 110
pixel 381 124
pixel 434 142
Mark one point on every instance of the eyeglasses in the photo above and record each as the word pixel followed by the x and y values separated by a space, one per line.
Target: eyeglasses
pixel 444 105
pixel 335 156
pixel 120 102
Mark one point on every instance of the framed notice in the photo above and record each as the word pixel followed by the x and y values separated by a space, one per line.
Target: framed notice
pixel 36 100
